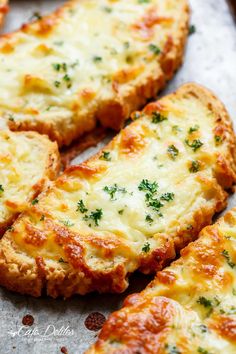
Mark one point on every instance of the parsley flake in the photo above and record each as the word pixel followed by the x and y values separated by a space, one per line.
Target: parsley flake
pixel 35 201
pixel 146 247
pixel 195 165
pixel 195 144
pixel 81 207
pixel 228 259
pixel 95 216
pixel 154 49
pixel 113 190
pixel 105 156
pixel 148 186
pixel 158 117
pixel 173 152
pixel 167 196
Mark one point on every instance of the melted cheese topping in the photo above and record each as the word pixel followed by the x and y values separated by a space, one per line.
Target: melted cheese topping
pixel 24 168
pixel 194 299
pixel 149 191
pixel 60 69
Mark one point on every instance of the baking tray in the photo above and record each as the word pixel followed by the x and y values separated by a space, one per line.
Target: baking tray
pixel 59 324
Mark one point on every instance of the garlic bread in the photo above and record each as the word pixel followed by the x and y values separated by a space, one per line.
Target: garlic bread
pixel 27 161
pixel 190 307
pixel 90 60
pixel 147 194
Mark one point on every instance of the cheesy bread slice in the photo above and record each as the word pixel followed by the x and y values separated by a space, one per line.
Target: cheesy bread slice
pixel 3 10
pixel 90 60
pixel 144 196
pixel 190 307
pixel 27 161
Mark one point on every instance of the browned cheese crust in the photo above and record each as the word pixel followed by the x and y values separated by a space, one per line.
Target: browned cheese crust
pixel 132 206
pixel 69 84
pixel 189 308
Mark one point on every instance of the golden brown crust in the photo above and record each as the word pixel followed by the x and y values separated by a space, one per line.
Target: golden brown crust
pixel 100 258
pixel 111 112
pixel 47 151
pixel 188 308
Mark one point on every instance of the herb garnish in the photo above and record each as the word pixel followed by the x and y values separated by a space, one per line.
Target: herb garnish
pixel 148 186
pixel 195 144
pixel 205 302
pixel 218 139
pixel 105 156
pixel 95 216
pixel 35 201
pixel 149 219
pixel 61 260
pixel 67 223
pixel 157 117
pixel 81 207
pixel 192 29
pixel 113 190
pixel 173 152
pixel 153 48
pixel 167 196
pixel 228 259
pixel 146 247
pixel 195 165
pixel 1 188
pixel 97 59
pixel 193 129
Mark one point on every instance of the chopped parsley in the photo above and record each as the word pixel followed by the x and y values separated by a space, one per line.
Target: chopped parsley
pixel 95 216
pixel 158 117
pixel 35 201
pixel 228 259
pixel 195 144
pixel 61 260
pixel 97 59
pixel 192 29
pixel 167 196
pixel 173 152
pixel 11 118
pixel 205 302
pixel 202 350
pixel 107 9
pixel 105 156
pixel 148 186
pixel 146 247
pixel 143 1
pixel 154 203
pixel 195 165
pixel 149 219
pixel 193 129
pixel 56 66
pixel 57 83
pixel 172 349
pixel 176 128
pixel 203 328
pixel 67 223
pixel 36 16
pixel 218 139
pixel 154 49
pixel 113 190
pixel 81 207
pixel 67 79
pixel 121 211
pixel 1 188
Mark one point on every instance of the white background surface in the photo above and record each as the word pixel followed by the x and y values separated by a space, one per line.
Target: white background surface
pixel 211 61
